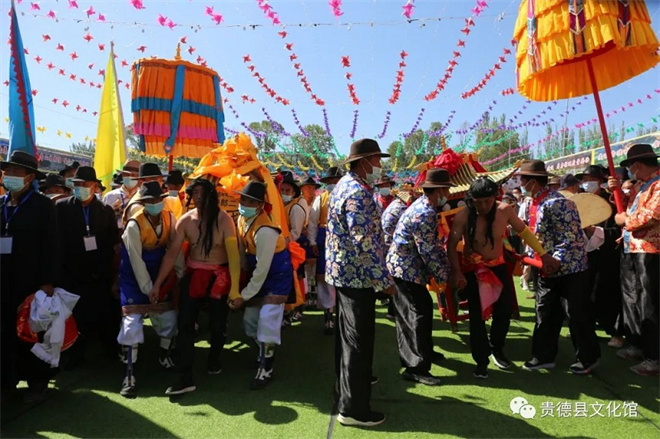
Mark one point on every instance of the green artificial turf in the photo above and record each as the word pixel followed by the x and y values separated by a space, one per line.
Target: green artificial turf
pixel 298 403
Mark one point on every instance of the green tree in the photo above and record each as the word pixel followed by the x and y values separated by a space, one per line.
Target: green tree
pixel 83 148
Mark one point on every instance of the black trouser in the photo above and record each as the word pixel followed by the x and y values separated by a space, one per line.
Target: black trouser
pixel 573 290
pixel 188 313
pixel 640 284
pixel 413 311
pixel 96 312
pixel 480 344
pixel 605 286
pixel 354 348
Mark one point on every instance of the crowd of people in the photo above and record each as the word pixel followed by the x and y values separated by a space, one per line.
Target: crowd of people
pixel 154 247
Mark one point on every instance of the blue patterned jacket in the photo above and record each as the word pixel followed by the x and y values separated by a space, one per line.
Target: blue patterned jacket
pixel 390 217
pixel 558 229
pixel 355 252
pixel 416 253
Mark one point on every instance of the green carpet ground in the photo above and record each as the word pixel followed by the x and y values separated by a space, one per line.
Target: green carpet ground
pixel 298 403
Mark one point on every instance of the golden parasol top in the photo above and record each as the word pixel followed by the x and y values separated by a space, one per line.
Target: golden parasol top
pixel 555 37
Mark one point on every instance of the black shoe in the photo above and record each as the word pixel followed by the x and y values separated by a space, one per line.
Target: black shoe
pixel 286 322
pixel 481 371
pixel 213 364
pixel 329 328
pixel 262 379
pixel 536 364
pixel 581 368
pixel 374 380
pixel 165 359
pixel 36 392
pixel 370 420
pixel 500 360
pixel 183 385
pixel 420 377
pixel 437 357
pixel 128 388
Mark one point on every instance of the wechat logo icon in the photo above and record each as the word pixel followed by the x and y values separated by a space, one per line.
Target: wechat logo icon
pixel 520 406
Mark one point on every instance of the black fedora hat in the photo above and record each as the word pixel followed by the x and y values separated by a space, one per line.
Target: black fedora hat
pixel 364 148
pixel 333 172
pixel 117 179
pixel 437 177
pixel 150 190
pixel 255 190
pixel 593 171
pixel 53 180
pixel 175 177
pixel 67 168
pixel 26 161
pixel 287 177
pixel 639 151
pixel 149 170
pixel 568 180
pixel 385 180
pixel 309 181
pixel 533 168
pixel 85 173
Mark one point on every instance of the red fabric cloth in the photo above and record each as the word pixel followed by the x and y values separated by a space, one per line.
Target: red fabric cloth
pixel 202 276
pixel 27 335
pixel 490 288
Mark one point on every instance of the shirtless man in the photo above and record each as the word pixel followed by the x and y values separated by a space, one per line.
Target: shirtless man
pixel 482 228
pixel 212 271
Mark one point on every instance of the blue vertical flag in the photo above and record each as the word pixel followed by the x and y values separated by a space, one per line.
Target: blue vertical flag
pixel 21 114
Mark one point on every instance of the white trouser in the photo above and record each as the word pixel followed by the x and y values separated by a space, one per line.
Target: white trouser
pixel 132 333
pixel 264 322
pixel 326 295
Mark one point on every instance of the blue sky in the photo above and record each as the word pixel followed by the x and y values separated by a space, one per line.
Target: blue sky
pixel 371 33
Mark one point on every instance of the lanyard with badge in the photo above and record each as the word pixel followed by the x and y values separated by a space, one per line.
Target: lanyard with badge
pixel 89 240
pixel 6 240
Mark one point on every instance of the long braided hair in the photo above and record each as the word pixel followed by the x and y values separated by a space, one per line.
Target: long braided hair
pixel 208 210
pixel 482 187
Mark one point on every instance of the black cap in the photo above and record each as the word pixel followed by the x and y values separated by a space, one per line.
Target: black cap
pixel 26 161
pixel 255 190
pixel 150 190
pixel 74 165
pixel 175 177
pixel 568 180
pixel 53 180
pixel 149 170
pixel 85 173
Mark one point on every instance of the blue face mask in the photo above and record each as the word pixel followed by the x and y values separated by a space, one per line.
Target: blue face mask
pixel 129 182
pixel 154 209
pixel 14 184
pixel 384 191
pixel 69 182
pixel 82 193
pixel 247 212
pixel 330 187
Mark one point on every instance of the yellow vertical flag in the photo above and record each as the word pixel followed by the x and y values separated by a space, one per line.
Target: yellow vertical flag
pixel 110 137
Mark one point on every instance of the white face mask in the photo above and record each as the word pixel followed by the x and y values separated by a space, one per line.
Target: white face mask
pixel 286 198
pixel 590 186
pixel 374 175
pixel 524 190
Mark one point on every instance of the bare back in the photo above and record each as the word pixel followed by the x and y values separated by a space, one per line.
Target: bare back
pixel 225 228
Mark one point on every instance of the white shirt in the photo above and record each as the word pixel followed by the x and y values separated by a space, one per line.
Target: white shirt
pixel 297 219
pixel 133 242
pixel 118 197
pixel 313 223
pixel 266 241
